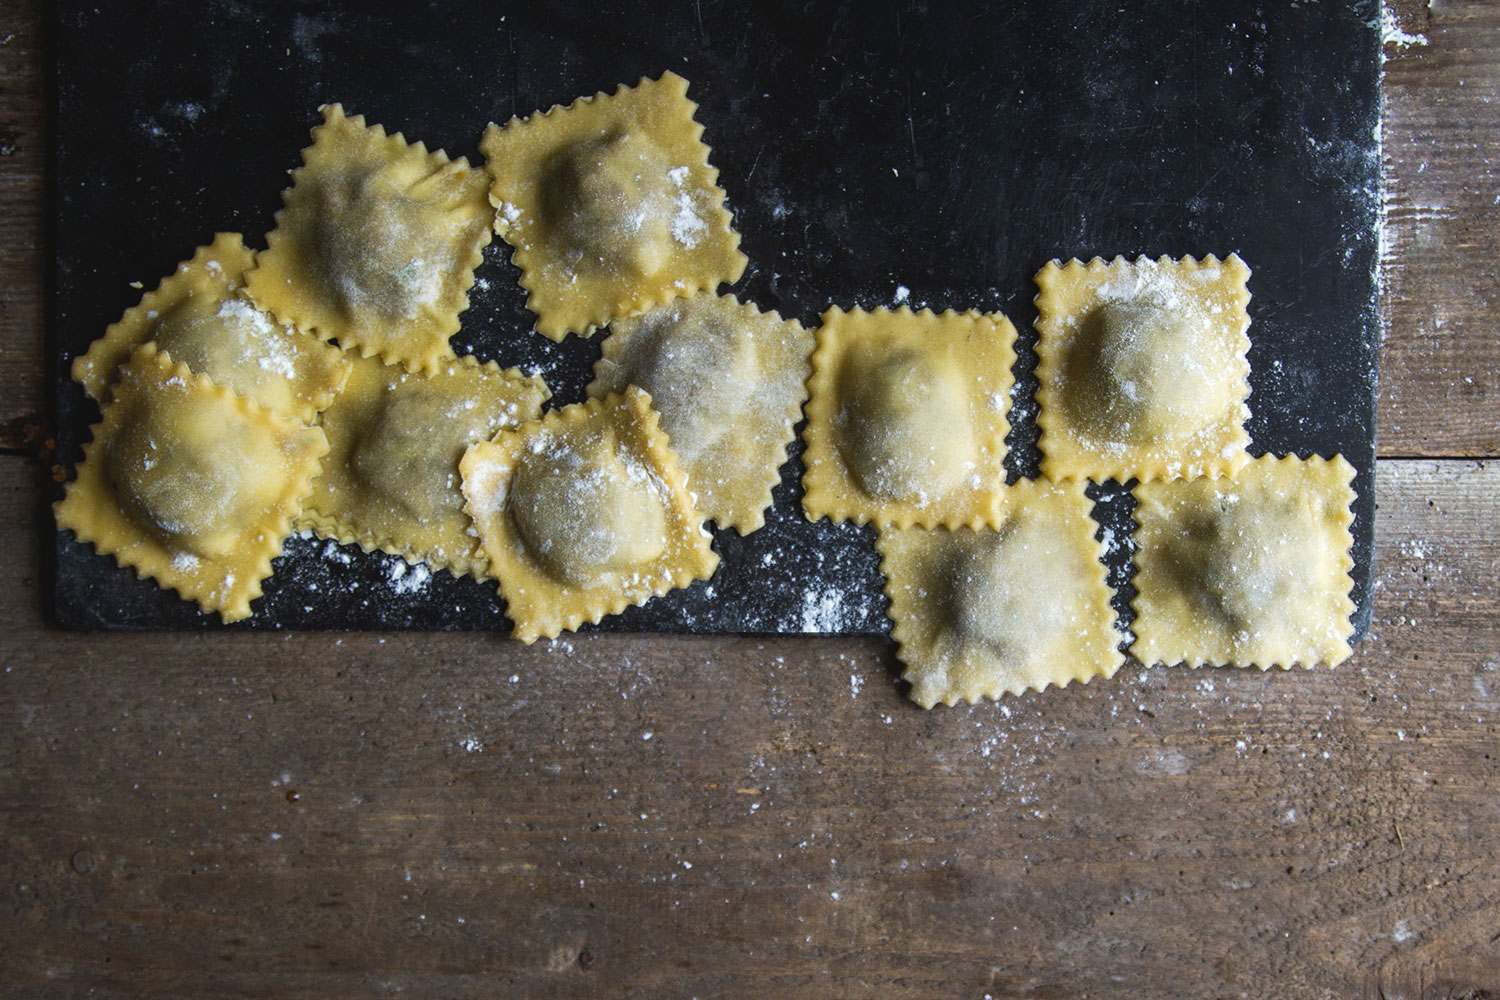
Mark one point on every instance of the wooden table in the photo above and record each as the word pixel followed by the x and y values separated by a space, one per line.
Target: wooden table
pixel 321 815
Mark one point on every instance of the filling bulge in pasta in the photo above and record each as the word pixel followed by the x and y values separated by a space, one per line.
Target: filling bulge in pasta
pixel 612 200
pixel 1153 380
pixel 905 429
pixel 410 453
pixel 1013 591
pixel 699 371
pixel 1248 570
pixel 582 511
pixel 211 335
pixel 192 483
pixel 375 249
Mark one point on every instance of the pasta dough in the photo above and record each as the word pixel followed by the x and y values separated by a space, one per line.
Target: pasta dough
pixel 583 514
pixel 906 418
pixel 1247 572
pixel 1142 369
pixel 729 382
pixel 979 614
pixel 611 206
pixel 396 437
pixel 376 245
pixel 904 430
pixel 190 484
pixel 196 316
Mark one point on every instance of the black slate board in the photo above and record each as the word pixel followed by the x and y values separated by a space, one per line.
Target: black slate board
pixel 865 147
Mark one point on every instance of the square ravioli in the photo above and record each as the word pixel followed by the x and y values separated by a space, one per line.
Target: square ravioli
pixel 1142 368
pixel 584 513
pixel 611 206
pixel 395 438
pixel 198 317
pixel 728 381
pixel 189 484
pixel 980 614
pixel 906 418
pixel 376 243
pixel 1252 571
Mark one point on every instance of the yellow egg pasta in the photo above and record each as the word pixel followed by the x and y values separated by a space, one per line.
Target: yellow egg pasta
pixel 1142 368
pixel 198 316
pixel 906 418
pixel 395 437
pixel 1250 571
pixel 980 614
pixel 376 243
pixel 611 206
pixel 728 381
pixel 189 484
pixel 584 513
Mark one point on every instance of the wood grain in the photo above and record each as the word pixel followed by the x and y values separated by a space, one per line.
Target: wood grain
pixel 1440 364
pixel 22 156
pixel 458 815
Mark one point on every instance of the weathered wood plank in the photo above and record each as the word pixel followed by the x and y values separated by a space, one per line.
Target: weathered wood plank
pixel 1440 365
pixel 22 156
pixel 321 815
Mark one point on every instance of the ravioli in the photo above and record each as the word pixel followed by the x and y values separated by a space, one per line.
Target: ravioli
pixel 196 315
pixel 980 614
pixel 584 513
pixel 729 382
pixel 190 484
pixel 1252 571
pixel 1142 368
pixel 906 418
pixel 611 206
pixel 391 479
pixel 376 243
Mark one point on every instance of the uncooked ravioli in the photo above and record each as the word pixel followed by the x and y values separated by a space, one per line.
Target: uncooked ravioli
pixel 1249 571
pixel 391 478
pixel 584 513
pixel 982 613
pixel 1141 368
pixel 190 484
pixel 197 315
pixel 906 418
pixel 376 244
pixel 611 206
pixel 729 381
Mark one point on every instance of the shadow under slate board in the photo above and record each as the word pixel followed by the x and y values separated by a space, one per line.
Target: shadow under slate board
pixel 872 153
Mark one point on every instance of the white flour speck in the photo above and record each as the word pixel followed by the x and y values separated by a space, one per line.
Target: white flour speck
pixel 822 611
pixel 408 578
pixel 1391 33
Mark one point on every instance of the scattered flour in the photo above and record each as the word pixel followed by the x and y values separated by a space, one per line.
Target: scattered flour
pixel 408 578
pixel 1391 32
